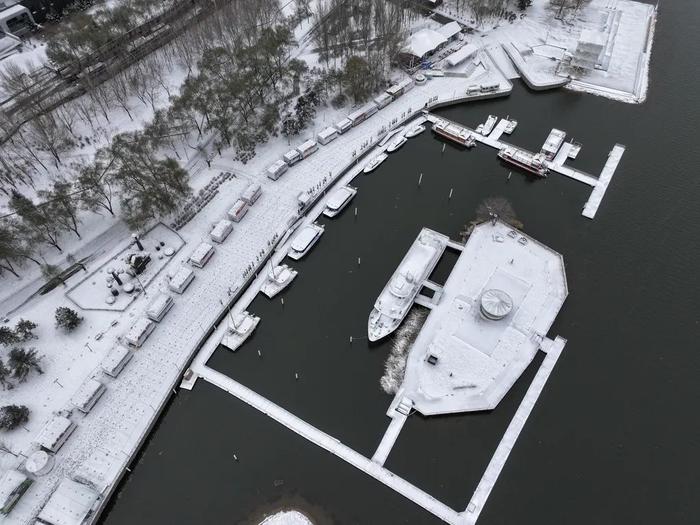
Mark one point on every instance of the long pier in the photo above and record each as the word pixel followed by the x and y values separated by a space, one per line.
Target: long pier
pixel 600 184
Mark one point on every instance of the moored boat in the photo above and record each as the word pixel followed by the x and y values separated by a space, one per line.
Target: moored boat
pixel 414 131
pixel 487 127
pixel 338 200
pixel 396 143
pixel 534 163
pixel 278 278
pixel 304 241
pixel 455 133
pixel 374 163
pixel 240 326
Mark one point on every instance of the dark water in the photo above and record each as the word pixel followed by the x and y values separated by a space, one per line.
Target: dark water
pixel 614 437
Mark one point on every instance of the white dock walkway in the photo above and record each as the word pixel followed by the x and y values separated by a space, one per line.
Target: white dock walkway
pixel 591 207
pixel 499 129
pixel 390 437
pixel 488 480
pixel 332 445
pixel 557 165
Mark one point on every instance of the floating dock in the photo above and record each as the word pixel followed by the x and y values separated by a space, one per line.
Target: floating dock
pixel 566 150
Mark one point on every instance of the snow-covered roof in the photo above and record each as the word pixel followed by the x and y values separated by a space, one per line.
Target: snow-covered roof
pixel 306 146
pixel 291 155
pixel 99 469
pixel 53 433
pixel 461 54
pixel 327 132
pixel 251 191
pixel 138 329
pixel 85 396
pixel 449 30
pixel 158 304
pixel 423 42
pixel 591 36
pixel 221 228
pixel 276 166
pixel 9 483
pixel 382 97
pixel 8 43
pixel 181 277
pixel 70 504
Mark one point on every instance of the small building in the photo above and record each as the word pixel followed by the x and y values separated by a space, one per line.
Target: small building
pixel 139 332
pixel 343 125
pixel 159 306
pixel 181 280
pixel 87 395
pixel 362 114
pixel 200 257
pixel 55 433
pixel 221 230
pixel 252 193
pixel 307 148
pixel 461 55
pixel 421 44
pixel 303 201
pixel 450 31
pixel 276 170
pixel 240 208
pixel 589 50
pixel 327 135
pixel 291 157
pixel 400 88
pixel 72 503
pixel 15 19
pixel 115 361
pixel 383 100
pixel 12 485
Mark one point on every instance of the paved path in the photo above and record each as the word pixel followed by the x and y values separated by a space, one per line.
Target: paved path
pixel 390 437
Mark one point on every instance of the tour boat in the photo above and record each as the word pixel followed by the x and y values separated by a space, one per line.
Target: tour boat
pixel 374 163
pixel 304 240
pixel 487 127
pixel 396 143
pixel 240 326
pixel 534 163
pixel 338 200
pixel 414 132
pixel 278 278
pixel 455 133
pixel 398 295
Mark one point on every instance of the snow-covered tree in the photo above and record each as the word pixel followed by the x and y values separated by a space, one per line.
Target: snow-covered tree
pixel 67 318
pixel 23 362
pixel 5 373
pixel 13 416
pixel 25 329
pixel 8 337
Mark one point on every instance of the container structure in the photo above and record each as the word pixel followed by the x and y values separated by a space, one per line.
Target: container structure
pixel 55 433
pixel 276 170
pixel 291 157
pixel 159 307
pixel 362 114
pixel 115 361
pixel 240 208
pixel 200 257
pixel 221 230
pixel 327 135
pixel 251 194
pixel 307 148
pixel 343 125
pixel 139 332
pixel 181 280
pixel 87 395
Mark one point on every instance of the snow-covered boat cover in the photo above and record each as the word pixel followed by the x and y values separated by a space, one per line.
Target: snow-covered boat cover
pixel 305 237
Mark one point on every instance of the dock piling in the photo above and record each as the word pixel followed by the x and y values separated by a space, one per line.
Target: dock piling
pixel 420 178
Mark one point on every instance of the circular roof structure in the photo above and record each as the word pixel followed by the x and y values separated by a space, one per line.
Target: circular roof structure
pixel 39 463
pixel 496 304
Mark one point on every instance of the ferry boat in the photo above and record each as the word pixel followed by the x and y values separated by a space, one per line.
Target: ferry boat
pixel 240 327
pixel 487 127
pixel 510 127
pixel 278 278
pixel 398 295
pixel 396 143
pixel 415 131
pixel 534 163
pixel 455 133
pixel 338 200
pixel 304 241
pixel 374 163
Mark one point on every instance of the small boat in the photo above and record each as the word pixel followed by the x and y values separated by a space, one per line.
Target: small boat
pixel 510 127
pixel 374 163
pixel 487 127
pixel 388 136
pixel 534 163
pixel 396 143
pixel 414 132
pixel 278 278
pixel 240 327
pixel 338 200
pixel 304 240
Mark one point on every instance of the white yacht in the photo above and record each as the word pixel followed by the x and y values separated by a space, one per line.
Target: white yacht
pixel 374 163
pixel 338 200
pixel 396 143
pixel 240 326
pixel 487 127
pixel 398 295
pixel 304 240
pixel 415 131
pixel 278 278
